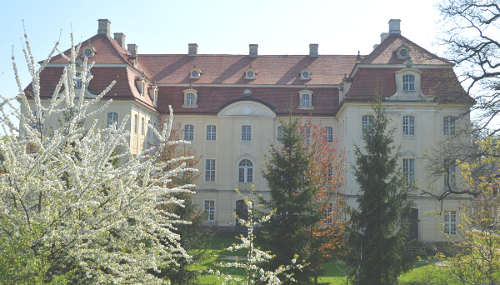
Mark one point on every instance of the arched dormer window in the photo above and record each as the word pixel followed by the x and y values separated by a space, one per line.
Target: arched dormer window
pixel 250 73
pixel 305 74
pixel 194 73
pixel 245 171
pixel 306 97
pixel 190 98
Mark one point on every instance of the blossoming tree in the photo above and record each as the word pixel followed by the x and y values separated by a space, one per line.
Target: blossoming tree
pixel 64 204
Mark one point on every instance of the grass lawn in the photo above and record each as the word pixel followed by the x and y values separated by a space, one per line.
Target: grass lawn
pixel 334 272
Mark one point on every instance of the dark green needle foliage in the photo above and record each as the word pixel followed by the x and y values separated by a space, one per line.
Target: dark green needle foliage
pixel 378 235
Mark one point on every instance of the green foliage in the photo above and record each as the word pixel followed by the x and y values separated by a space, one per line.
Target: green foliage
pixel 378 234
pixel 288 174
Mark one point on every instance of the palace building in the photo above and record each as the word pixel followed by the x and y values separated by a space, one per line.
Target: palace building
pixel 230 107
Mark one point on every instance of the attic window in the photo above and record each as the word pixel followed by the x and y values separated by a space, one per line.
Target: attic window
pixel 194 73
pixel 306 97
pixel 305 74
pixel 155 95
pixel 403 52
pixel 250 73
pixel 88 51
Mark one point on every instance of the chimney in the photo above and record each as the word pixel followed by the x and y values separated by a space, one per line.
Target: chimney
pixel 253 50
pixel 103 28
pixel 132 48
pixel 394 27
pixel 383 36
pixel 192 49
pixel 120 39
pixel 313 50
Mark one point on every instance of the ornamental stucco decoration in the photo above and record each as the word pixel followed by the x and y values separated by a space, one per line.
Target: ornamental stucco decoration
pixel 247 111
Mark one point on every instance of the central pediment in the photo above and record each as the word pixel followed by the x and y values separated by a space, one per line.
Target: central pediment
pixel 247 109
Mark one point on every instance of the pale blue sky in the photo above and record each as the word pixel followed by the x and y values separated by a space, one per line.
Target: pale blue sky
pixel 219 27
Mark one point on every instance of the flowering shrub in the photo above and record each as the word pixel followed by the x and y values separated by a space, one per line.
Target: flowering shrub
pixel 89 218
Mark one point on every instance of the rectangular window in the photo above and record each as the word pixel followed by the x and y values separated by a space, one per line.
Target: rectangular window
pixel 450 178
pixel 450 223
pixel 112 119
pixel 210 209
pixel 449 126
pixel 149 129
pixel 408 125
pixel 366 124
pixel 306 100
pixel 190 99
pixel 78 82
pixel 280 132
pixel 210 170
pixel 135 124
pixel 246 133
pixel 211 133
pixel 329 134
pixel 408 82
pixel 142 126
pixel 329 213
pixel 154 134
pixel 188 132
pixel 409 171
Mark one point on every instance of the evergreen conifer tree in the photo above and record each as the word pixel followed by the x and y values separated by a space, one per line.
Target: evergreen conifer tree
pixel 288 173
pixel 378 235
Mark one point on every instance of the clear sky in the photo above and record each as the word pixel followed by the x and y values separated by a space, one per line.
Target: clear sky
pixel 218 27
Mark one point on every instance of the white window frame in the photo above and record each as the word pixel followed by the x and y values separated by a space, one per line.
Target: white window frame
pixel 210 170
pixel 329 133
pixel 409 171
pixel 449 126
pixel 78 81
pixel 188 132
pixel 408 82
pixel 408 125
pixel 329 213
pixel 209 206
pixel 111 118
pixel 450 223
pixel 190 98
pixel 450 178
pixel 306 99
pixel 211 132
pixel 366 123
pixel 245 171
pixel 136 122
pixel 246 133
pixel 142 126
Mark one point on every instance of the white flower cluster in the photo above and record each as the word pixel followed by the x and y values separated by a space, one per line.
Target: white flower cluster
pixel 107 221
pixel 255 257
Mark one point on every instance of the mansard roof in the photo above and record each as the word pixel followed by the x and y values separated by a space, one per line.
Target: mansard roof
pixel 230 69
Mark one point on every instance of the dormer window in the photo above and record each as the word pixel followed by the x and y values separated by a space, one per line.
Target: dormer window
pixel 141 86
pixel 88 51
pixel 408 82
pixel 190 98
pixel 78 81
pixel 305 97
pixel 155 95
pixel 305 74
pixel 194 73
pixel 250 73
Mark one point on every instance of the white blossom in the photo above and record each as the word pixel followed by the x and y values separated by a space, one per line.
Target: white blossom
pixel 110 223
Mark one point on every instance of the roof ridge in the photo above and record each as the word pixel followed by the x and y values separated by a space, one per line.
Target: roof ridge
pixel 265 55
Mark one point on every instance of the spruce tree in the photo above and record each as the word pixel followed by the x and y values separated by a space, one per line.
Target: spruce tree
pixel 292 194
pixel 378 235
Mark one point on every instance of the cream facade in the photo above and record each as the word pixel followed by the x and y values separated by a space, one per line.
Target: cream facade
pixel 230 107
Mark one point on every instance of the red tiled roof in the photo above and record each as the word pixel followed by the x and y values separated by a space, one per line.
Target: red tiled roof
pixel 211 99
pixel 229 69
pixel 385 53
pixel 440 83
pixel 123 89
pixel 108 51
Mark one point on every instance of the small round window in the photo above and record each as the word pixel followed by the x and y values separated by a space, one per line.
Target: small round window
pixel 250 74
pixel 88 52
pixel 194 73
pixel 403 52
pixel 305 74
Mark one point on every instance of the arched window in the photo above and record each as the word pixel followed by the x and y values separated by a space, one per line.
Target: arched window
pixel 245 171
pixel 136 121
pixel 142 126
pixel 149 130
pixel 408 82
pixel 112 119
pixel 188 132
